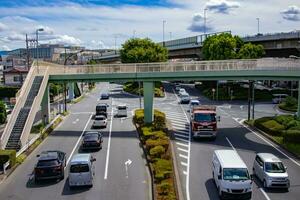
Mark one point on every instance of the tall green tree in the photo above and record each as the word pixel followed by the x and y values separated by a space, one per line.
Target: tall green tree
pixel 251 51
pixel 3 114
pixel 143 51
pixel 220 47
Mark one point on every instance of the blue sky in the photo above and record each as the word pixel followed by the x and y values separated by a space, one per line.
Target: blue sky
pixel 97 23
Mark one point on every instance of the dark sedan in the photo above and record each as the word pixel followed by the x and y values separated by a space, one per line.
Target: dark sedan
pixel 50 165
pixel 92 140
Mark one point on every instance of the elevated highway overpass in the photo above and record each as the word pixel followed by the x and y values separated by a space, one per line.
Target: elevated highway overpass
pixel 35 90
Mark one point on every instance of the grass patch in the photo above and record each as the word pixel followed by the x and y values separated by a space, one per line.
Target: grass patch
pixel 37 128
pixel 77 100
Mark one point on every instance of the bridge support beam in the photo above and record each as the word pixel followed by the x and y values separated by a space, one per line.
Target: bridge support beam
pixel 148 101
pixel 298 100
pixel 71 91
pixel 46 106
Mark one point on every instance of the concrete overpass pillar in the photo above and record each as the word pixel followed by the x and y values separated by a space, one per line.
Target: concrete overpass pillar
pixel 71 91
pixel 298 99
pixel 148 101
pixel 46 106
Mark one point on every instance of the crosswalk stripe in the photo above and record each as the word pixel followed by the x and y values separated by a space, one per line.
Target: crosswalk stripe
pixel 178 135
pixel 182 131
pixel 184 164
pixel 181 121
pixel 179 125
pixel 181 144
pixel 181 149
pixel 183 156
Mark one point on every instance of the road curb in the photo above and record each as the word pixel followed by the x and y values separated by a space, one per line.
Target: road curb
pixel 253 128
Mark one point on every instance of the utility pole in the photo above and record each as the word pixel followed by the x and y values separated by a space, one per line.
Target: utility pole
pixel 253 99
pixel 27 54
pixel 249 101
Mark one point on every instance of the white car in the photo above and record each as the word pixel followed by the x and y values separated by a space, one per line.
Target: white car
pixel 271 171
pixel 121 111
pixel 100 121
pixel 193 103
pixel 185 98
pixel 181 91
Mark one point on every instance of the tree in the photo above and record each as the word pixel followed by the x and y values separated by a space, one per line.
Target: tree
pixel 251 51
pixel 220 47
pixel 3 114
pixel 143 51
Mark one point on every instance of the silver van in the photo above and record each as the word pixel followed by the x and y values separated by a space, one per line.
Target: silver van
pixel 271 171
pixel 82 170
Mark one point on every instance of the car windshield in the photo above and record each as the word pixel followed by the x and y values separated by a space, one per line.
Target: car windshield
pixel 194 103
pixel 47 163
pixel 122 108
pixel 205 117
pixel 101 108
pixel 274 167
pixel 235 174
pixel 93 136
pixel 79 168
pixel 185 96
pixel 100 118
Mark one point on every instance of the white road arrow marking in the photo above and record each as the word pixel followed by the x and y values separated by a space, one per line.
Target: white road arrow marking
pixel 127 163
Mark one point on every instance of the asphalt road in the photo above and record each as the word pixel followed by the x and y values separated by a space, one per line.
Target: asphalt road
pixel 194 157
pixel 112 179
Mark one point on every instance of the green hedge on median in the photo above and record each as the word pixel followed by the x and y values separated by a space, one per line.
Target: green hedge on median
pixel 8 155
pixel 291 136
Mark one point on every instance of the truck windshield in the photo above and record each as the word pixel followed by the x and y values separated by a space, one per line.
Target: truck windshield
pixel 204 117
pixel 79 168
pixel 235 174
pixel 274 167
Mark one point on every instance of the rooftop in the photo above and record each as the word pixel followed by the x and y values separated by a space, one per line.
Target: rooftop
pixel 230 159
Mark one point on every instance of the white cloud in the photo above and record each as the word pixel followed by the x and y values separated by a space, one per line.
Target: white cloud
pixel 222 6
pixel 292 13
pixel 3 27
pixel 65 39
pixel 5 48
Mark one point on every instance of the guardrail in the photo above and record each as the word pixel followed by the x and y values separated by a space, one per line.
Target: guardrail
pixel 222 65
pixel 20 101
pixel 35 107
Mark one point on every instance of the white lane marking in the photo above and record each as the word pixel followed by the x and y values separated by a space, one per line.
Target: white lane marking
pixel 184 172
pixel 184 136
pixel 127 163
pixel 181 149
pixel 79 113
pixel 184 164
pixel 264 193
pixel 187 187
pixel 181 139
pixel 109 140
pixel 183 156
pixel 181 144
pixel 72 152
pixel 179 126
pixel 183 121
pixel 261 137
pixel 230 144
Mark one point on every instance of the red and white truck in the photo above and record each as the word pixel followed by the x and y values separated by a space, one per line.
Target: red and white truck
pixel 204 121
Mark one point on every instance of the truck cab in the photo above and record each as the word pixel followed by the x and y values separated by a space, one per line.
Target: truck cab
pixel 204 122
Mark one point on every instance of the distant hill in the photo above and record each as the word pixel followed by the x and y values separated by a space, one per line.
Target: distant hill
pixel 3 53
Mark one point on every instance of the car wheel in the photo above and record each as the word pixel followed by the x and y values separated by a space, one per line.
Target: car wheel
pixel 253 171
pixel 265 184
pixel 62 175
pixel 220 193
pixel 36 181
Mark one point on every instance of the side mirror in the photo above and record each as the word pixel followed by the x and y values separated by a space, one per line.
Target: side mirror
pixel 219 177
pixel 285 167
pixel 93 159
pixel 38 155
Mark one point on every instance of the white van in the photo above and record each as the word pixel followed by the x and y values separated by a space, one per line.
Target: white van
pixel 81 171
pixel 121 111
pixel 278 98
pixel 231 175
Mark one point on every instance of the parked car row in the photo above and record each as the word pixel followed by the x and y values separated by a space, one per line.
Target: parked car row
pixel 233 179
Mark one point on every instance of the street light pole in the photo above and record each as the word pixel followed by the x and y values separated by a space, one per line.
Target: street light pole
pixel 164 22
pixel 257 25
pixel 205 21
pixel 37 47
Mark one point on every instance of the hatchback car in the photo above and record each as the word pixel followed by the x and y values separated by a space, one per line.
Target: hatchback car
pixel 181 91
pixel 50 165
pixel 92 140
pixel 271 171
pixel 100 121
pixel 104 95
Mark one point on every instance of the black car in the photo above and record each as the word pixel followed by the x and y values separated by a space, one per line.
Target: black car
pixel 101 109
pixel 104 95
pixel 51 165
pixel 92 140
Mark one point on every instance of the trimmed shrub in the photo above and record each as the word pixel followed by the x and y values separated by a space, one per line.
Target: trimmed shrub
pixel 291 136
pixel 8 155
pixel 157 152
pixel 162 169
pixel 273 127
pixel 139 116
pixel 159 120
pixel 6 91
pixel 295 128
pixel 150 143
pixel 293 123
pixel 284 119
pixel 164 188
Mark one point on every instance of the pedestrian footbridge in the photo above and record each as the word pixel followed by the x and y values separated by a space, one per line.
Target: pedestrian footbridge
pixel 34 94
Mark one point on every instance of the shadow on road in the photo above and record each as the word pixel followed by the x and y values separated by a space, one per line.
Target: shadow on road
pixel 42 183
pixel 71 191
pixel 211 189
